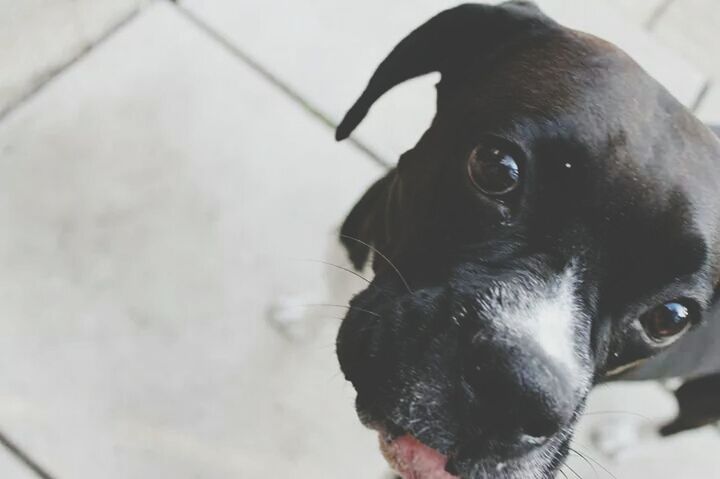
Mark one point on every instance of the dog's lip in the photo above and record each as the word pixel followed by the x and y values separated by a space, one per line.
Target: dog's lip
pixel 447 464
pixel 406 455
pixel 412 459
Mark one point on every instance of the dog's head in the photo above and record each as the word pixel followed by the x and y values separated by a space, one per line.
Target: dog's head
pixel 556 224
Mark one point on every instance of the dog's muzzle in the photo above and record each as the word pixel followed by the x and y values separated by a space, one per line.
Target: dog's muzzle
pixel 459 379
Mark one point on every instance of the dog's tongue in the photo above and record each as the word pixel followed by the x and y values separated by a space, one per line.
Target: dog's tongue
pixel 413 460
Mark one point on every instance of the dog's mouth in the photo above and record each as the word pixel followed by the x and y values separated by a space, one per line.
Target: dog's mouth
pixel 412 459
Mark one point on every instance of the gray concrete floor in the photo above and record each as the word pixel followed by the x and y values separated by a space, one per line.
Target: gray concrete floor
pixel 164 169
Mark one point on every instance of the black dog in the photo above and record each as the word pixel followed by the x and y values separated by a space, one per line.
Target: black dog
pixel 557 226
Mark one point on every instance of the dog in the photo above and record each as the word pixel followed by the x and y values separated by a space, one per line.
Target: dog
pixel 557 226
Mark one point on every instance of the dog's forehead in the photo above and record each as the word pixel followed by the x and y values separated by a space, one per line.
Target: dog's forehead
pixel 570 76
pixel 573 88
pixel 650 164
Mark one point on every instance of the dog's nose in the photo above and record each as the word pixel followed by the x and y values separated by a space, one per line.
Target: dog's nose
pixel 518 396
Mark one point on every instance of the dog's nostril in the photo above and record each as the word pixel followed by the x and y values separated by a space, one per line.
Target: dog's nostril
pixel 539 428
pixel 525 442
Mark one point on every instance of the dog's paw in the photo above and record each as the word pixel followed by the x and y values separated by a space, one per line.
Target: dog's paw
pixel 288 315
pixel 614 438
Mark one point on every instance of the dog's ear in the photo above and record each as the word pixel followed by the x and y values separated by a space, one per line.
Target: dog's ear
pixel 365 225
pixel 447 43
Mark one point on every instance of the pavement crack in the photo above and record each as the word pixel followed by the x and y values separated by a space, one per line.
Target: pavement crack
pixel 657 14
pixel 284 87
pixel 697 103
pixel 14 449
pixel 57 70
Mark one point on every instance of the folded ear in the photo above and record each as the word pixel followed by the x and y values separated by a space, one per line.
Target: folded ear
pixel 446 43
pixel 365 225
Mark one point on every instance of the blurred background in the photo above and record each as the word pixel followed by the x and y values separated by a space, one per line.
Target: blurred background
pixel 166 169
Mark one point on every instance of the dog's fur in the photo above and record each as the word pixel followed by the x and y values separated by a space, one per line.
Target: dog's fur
pixel 488 321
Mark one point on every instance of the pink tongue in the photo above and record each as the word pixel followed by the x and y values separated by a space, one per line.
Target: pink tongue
pixel 413 460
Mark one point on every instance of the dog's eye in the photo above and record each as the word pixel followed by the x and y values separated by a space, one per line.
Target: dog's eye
pixel 668 320
pixel 493 170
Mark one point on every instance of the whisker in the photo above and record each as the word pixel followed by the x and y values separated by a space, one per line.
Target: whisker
pixel 563 473
pixel 325 318
pixel 595 461
pixel 630 413
pixel 364 327
pixel 385 292
pixel 595 471
pixel 402 278
pixel 347 270
pixel 344 306
pixel 573 471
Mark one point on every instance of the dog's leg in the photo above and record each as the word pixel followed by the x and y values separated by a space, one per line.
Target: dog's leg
pixel 627 425
pixel 698 403
pixel 289 315
pixel 616 436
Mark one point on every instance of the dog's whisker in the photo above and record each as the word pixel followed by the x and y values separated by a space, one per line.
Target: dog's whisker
pixel 344 306
pixel 588 456
pixel 587 461
pixel 325 318
pixel 573 471
pixel 373 248
pixel 386 292
pixel 563 473
pixel 363 328
pixel 343 268
pixel 630 413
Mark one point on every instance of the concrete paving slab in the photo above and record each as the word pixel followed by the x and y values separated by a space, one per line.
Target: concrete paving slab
pixel 709 109
pixel 327 49
pixel 640 12
pixel 690 27
pixel 155 199
pixel 636 410
pixel 12 468
pixel 39 36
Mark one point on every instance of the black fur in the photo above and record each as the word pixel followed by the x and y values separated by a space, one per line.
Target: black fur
pixel 620 182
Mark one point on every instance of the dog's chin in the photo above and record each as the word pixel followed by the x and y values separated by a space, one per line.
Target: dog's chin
pixel 412 459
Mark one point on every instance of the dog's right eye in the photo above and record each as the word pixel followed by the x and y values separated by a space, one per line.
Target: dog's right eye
pixel 493 170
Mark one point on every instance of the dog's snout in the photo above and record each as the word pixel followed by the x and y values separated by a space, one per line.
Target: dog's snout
pixel 517 394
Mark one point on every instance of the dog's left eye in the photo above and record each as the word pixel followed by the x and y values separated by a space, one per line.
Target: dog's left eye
pixel 493 170
pixel 668 320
